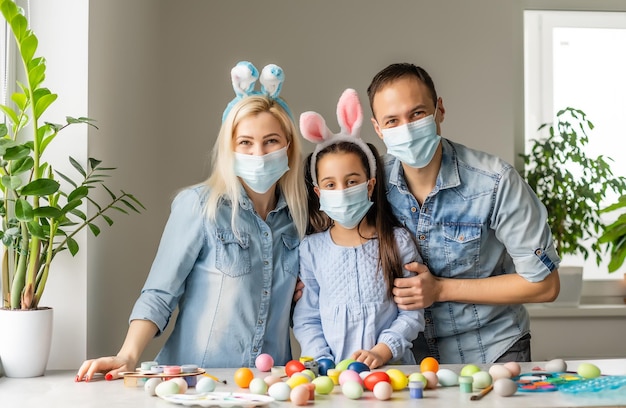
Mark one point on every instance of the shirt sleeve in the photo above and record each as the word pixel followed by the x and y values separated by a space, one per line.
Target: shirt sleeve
pixel 520 223
pixel 178 250
pixel 307 323
pixel 409 323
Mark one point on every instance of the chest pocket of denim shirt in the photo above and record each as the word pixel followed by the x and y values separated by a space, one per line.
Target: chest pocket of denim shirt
pixel 232 253
pixel 462 249
pixel 291 262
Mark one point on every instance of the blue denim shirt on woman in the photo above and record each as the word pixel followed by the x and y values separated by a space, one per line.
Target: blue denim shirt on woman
pixel 233 293
pixel 481 220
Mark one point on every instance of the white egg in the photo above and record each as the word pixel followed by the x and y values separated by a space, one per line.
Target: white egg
pixel 513 367
pixel 557 365
pixel 205 384
pixel 382 390
pixel 166 388
pixel 447 377
pixel 279 391
pixel 182 384
pixel 482 379
pixel 151 384
pixel 505 387
pixel 499 371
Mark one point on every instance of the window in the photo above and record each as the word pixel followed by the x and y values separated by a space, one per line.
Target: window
pixel 578 59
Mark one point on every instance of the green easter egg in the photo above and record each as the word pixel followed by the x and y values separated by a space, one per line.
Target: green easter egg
pixel 588 370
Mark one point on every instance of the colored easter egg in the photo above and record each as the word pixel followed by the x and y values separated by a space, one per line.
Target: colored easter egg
pixel 271 379
pixel 349 375
pixel 205 384
pixel 498 371
pixel 418 377
pixel 264 362
pixel 343 364
pixel 299 395
pixel 482 379
pixel 323 364
pixel 352 389
pixel 297 379
pixel 447 377
pixel 279 391
pixel 358 367
pixel 558 365
pixel 513 367
pixel 382 390
pixel 243 376
pixel 588 370
pixel 431 380
pixel 308 373
pixel 504 387
pixel 258 386
pixel 166 388
pixel 469 369
pixel 182 384
pixel 374 378
pixel 323 385
pixel 398 379
pixel 429 364
pixel 151 384
pixel 293 366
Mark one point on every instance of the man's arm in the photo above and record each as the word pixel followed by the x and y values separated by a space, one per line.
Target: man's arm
pixel 425 289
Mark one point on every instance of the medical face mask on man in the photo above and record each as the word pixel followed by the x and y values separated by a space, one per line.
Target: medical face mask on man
pixel 346 207
pixel 415 143
pixel 261 172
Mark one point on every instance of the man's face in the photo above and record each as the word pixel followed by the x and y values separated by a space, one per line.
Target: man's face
pixel 402 101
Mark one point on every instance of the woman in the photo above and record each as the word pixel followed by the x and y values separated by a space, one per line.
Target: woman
pixel 228 258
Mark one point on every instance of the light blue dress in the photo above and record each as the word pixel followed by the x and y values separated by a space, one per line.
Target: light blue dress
pixel 233 292
pixel 344 305
pixel 481 220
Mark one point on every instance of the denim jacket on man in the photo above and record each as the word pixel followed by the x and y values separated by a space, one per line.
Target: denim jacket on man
pixel 481 219
pixel 233 293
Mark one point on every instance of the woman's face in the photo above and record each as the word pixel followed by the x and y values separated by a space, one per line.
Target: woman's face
pixel 259 135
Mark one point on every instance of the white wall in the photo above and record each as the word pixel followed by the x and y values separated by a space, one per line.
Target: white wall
pixel 159 80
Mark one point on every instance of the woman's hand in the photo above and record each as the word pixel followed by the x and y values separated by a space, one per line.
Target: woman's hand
pixel 110 366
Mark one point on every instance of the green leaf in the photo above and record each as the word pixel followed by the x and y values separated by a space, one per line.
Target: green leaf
pixel 64 177
pixel 129 205
pixel 107 219
pixel 79 214
pixel 78 167
pixel 71 205
pixel 23 210
pixel 78 194
pixel 20 100
pixel 41 187
pixel 48 212
pixel 35 229
pixel 94 163
pixel 3 130
pixel 20 166
pixel 11 182
pixel 16 152
pixel 119 209
pixel 72 245
pixel 43 103
pixel 94 228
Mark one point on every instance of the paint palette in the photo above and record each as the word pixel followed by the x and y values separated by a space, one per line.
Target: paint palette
pixel 220 399
pixel 545 382
pixel 604 384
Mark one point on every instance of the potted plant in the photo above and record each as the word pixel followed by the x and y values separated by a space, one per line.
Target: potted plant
pixel 571 185
pixel 40 208
pixel 614 235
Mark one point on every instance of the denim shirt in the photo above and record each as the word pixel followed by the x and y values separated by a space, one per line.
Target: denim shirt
pixel 233 293
pixel 481 220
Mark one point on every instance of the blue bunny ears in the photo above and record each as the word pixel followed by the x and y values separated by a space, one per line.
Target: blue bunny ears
pixel 244 76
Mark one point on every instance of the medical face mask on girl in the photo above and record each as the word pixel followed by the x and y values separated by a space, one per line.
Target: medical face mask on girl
pixel 261 172
pixel 346 207
pixel 415 143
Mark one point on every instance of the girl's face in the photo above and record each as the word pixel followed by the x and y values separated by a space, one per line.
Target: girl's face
pixel 341 170
pixel 259 135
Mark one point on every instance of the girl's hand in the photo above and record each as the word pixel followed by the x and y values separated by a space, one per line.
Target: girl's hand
pixel 110 366
pixel 297 294
pixel 374 358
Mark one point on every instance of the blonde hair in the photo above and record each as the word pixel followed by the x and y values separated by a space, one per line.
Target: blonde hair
pixel 223 183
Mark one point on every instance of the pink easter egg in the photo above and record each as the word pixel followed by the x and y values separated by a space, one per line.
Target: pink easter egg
pixel 264 362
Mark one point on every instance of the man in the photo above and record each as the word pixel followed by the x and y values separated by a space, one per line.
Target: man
pixel 480 229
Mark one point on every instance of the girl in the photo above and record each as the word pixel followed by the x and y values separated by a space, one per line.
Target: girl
pixel 346 309
pixel 228 258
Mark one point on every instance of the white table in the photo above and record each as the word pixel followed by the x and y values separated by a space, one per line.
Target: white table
pixel 58 389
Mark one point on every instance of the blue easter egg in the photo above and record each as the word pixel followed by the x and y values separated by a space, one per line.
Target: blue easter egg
pixel 324 364
pixel 358 367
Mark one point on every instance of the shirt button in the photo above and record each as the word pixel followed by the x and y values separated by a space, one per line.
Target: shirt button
pixel 461 238
pixel 538 252
pixel 422 237
pixel 413 209
pixel 255 349
pixel 260 321
pixel 431 341
pixel 427 320
pixel 265 292
pixel 265 263
pixel 265 234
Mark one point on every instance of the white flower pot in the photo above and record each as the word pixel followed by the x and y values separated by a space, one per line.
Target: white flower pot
pixel 25 338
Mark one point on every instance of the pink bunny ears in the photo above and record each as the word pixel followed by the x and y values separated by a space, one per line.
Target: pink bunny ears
pixel 350 117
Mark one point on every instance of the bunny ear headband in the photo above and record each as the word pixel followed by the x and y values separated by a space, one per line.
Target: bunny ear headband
pixel 244 76
pixel 350 117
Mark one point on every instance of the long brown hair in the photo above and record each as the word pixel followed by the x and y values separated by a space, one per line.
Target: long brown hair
pixel 379 215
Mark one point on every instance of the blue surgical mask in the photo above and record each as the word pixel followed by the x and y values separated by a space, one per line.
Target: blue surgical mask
pixel 415 143
pixel 261 172
pixel 346 207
